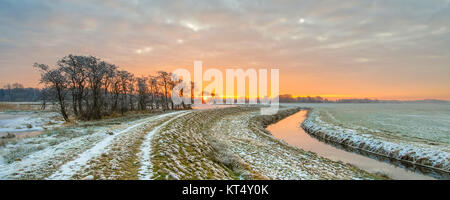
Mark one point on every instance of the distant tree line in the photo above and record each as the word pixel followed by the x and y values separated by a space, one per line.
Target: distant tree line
pixel 90 88
pixel 364 100
pixel 287 98
pixel 17 93
pixel 291 99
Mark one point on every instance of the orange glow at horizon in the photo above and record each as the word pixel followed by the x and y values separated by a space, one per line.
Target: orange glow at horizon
pixel 335 88
pixel 298 84
pixel 329 97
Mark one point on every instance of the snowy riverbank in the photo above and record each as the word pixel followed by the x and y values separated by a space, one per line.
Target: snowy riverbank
pixel 414 152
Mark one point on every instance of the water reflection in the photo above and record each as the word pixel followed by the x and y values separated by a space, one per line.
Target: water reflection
pixel 289 130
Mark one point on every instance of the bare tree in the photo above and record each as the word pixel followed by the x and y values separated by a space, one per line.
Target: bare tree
pixel 164 78
pixel 96 72
pixel 107 83
pixel 75 70
pixel 124 82
pixel 97 88
pixel 56 80
pixel 44 97
pixel 131 91
pixel 142 90
pixel 115 90
pixel 153 81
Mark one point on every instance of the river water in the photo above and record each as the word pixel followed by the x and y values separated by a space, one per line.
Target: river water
pixel 289 130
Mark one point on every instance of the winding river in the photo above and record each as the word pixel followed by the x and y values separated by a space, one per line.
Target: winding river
pixel 289 130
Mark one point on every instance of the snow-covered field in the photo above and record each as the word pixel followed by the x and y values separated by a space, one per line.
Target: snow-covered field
pixel 27 121
pixel 419 133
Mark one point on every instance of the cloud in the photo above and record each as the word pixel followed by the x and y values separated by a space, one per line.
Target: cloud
pixel 329 37
pixel 144 50
pixel 193 25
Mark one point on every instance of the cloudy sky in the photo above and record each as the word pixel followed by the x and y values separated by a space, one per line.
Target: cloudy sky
pixel 384 49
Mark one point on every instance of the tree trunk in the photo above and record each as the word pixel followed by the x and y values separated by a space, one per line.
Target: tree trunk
pixel 74 104
pixel 62 105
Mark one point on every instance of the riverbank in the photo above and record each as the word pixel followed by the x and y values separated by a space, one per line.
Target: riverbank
pixel 289 130
pixel 414 153
pixel 244 134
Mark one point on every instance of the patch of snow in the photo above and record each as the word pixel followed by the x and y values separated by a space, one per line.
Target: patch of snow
pixel 27 121
pixel 145 171
pixel 45 158
pixel 424 154
pixel 70 168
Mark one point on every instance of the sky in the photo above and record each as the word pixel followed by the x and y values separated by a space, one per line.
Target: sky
pixel 355 48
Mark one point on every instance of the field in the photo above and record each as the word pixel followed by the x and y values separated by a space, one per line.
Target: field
pixel 221 143
pixel 418 133
pixel 17 122
pixel 25 106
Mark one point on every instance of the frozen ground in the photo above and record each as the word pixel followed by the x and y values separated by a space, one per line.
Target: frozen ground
pixel 26 121
pixel 419 133
pixel 63 152
pixel 273 158
pixel 232 143
pixel 222 143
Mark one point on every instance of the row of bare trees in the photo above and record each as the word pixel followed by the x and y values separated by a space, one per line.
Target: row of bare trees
pixel 90 88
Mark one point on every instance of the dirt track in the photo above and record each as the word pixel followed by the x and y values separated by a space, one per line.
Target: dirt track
pixel 227 143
